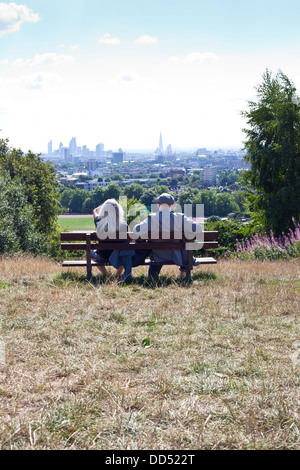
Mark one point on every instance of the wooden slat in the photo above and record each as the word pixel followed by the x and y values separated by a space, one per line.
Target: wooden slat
pixel 81 236
pixel 206 260
pixel 138 246
pixel 147 262
pixel 81 264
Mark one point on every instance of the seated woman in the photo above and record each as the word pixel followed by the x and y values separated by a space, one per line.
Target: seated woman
pixel 109 221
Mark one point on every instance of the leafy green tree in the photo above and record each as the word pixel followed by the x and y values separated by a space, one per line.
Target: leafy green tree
pixel 209 200
pixel 116 177
pixel 17 228
pixel 65 197
pixel 227 177
pixel 29 203
pixel 99 195
pixel 160 189
pixel 225 203
pixel 188 196
pixel 273 151
pixel 148 197
pixel 77 200
pixel 112 191
pixel 88 205
pixel 39 183
pixel 134 191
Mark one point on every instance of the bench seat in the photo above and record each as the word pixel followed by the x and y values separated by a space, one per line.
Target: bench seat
pixel 148 262
pixel 88 241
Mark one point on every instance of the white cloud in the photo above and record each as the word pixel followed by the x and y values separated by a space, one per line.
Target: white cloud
pixel 199 58
pixel 12 16
pixel 33 82
pixel 49 58
pixel 127 77
pixel 21 62
pixel 195 58
pixel 74 47
pixel 146 41
pixel 108 40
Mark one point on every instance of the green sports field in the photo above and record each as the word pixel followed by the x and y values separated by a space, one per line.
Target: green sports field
pixel 71 224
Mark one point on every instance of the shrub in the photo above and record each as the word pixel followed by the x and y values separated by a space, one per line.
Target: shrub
pixel 269 247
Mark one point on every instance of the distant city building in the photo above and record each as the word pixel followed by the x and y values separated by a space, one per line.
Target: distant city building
pixel 176 172
pixel 91 165
pixel 169 149
pixel 68 181
pixel 73 147
pixel 161 147
pixel 99 150
pixel 117 157
pixel 201 151
pixel 50 150
pixel 66 154
pixel 210 176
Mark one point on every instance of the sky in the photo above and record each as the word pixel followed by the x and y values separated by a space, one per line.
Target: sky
pixel 119 72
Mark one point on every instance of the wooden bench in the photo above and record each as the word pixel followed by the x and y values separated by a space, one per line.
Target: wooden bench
pixel 87 241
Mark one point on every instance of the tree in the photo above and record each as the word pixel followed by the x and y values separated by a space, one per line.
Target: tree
pixel 225 203
pixel 17 223
pixel 65 197
pixel 77 200
pixel 116 177
pixel 99 195
pixel 208 199
pixel 273 150
pixel 134 190
pixel 112 191
pixel 39 183
pixel 29 203
pixel 148 197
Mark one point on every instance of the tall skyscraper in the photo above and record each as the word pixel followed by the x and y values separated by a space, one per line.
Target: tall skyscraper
pixel 161 147
pixel 50 150
pixel 73 146
pixel 99 150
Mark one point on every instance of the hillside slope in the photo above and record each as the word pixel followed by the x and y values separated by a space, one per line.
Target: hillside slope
pixel 213 365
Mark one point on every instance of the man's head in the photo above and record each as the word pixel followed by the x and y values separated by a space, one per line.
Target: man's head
pixel 165 199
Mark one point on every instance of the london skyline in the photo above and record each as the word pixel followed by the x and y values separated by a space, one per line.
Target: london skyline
pixel 116 73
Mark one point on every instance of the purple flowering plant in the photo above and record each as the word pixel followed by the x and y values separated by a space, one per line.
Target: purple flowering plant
pixel 267 246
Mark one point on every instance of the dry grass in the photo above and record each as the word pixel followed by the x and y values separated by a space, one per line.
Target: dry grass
pixel 93 365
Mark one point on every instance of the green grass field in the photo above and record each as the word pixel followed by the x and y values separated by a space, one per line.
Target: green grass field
pixel 71 224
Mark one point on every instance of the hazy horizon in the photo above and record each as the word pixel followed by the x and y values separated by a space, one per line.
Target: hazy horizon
pixel 121 72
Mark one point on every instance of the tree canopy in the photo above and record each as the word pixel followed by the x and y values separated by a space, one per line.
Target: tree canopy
pixel 29 202
pixel 273 150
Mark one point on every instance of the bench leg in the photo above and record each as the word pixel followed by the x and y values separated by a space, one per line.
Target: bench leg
pixel 190 267
pixel 88 257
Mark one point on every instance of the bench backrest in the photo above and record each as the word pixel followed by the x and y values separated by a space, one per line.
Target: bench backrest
pixel 89 240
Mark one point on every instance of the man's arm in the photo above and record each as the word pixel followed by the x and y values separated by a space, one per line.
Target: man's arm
pixel 191 229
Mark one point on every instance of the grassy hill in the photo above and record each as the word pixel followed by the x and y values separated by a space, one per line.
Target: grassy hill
pixel 212 365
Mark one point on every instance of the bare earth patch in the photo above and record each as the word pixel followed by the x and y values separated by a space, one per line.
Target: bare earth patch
pixel 211 365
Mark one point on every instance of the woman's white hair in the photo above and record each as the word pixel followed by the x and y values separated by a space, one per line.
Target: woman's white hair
pixel 112 217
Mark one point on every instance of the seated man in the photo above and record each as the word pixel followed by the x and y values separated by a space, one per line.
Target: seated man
pixel 163 222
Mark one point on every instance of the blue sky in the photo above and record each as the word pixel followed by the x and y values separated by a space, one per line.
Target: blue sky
pixel 121 71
